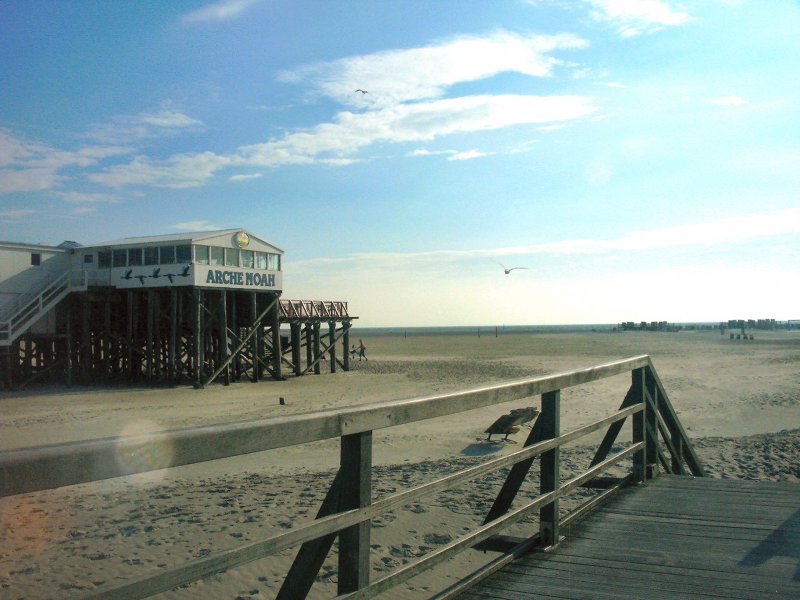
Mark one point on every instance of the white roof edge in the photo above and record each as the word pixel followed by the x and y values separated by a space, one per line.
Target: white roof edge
pixel 191 237
pixel 22 245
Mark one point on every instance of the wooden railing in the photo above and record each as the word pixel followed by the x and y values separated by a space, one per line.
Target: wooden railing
pixel 30 307
pixel 348 508
pixel 313 309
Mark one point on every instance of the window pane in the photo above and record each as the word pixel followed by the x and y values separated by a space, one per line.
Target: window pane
pixel 261 260
pixel 104 259
pixel 274 262
pixel 217 255
pixel 183 254
pixel 167 255
pixel 201 255
pixel 36 259
pixel 247 259
pixel 231 257
pixel 88 258
pixel 134 256
pixel 120 258
pixel 151 255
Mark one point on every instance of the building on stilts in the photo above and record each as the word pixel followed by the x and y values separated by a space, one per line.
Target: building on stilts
pixel 187 308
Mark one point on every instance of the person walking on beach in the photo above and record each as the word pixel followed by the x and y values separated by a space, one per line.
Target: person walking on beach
pixel 362 349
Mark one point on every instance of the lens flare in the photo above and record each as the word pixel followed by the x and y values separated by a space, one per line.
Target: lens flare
pixel 141 447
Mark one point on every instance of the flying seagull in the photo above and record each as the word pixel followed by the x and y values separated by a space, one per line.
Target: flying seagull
pixel 508 270
pixel 362 91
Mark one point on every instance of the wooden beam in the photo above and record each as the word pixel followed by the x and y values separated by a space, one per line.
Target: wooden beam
pixel 356 469
pixel 550 475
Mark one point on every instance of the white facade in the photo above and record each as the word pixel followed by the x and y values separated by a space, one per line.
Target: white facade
pixel 24 267
pixel 228 259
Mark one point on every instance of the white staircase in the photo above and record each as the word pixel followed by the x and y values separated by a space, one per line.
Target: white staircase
pixel 18 316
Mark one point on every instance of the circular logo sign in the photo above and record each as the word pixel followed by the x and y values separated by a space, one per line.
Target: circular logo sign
pixel 242 239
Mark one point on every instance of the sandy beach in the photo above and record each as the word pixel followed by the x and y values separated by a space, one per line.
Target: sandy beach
pixel 738 400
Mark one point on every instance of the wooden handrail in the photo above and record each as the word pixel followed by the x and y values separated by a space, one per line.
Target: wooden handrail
pixel 45 467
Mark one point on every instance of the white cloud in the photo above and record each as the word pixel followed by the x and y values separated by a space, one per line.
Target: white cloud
pixel 244 177
pixel 16 214
pixel 469 155
pixel 223 10
pixel 179 171
pixel 728 101
pixel 396 76
pixel 195 226
pixel 732 230
pixel 635 17
pixel 143 126
pixel 88 198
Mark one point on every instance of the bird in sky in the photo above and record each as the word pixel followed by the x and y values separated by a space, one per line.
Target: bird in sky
pixel 362 91
pixel 508 270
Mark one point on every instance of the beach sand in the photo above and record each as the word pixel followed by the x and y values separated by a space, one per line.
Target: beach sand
pixel 738 400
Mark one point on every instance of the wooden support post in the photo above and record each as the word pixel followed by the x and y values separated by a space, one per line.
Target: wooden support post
pixel 638 424
pixel 515 477
pixel 316 348
pixel 311 556
pixel 332 345
pixel 68 360
pixel 356 469
pixel 295 331
pixel 236 362
pixel 149 372
pixel 256 339
pixel 157 341
pixel 222 317
pixel 107 367
pixel 197 297
pixel 130 336
pixel 346 346
pixel 309 345
pixel 173 335
pixel 651 428
pixel 86 340
pixel 275 323
pixel 550 477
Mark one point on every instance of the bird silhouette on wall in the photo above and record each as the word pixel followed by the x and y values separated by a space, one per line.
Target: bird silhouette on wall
pixel 141 278
pixel 185 272
pixel 127 274
pixel 156 273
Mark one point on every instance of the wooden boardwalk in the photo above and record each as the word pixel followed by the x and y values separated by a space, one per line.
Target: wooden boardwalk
pixel 675 537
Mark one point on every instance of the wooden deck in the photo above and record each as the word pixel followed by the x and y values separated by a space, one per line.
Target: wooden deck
pixel 675 537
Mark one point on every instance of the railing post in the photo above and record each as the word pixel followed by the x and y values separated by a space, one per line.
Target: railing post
pixel 550 477
pixel 356 470
pixel 638 421
pixel 651 419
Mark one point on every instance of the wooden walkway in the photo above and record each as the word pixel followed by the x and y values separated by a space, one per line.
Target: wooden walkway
pixel 675 537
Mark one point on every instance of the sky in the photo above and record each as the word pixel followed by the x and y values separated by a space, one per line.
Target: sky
pixel 639 158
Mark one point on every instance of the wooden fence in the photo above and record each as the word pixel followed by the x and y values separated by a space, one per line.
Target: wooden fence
pixel 658 441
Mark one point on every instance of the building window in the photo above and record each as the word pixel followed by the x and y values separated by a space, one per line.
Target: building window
pixel 231 257
pixel 104 259
pixel 120 258
pixel 88 258
pixel 248 261
pixel 151 255
pixel 167 255
pixel 217 255
pixel 261 260
pixel 201 255
pixel 183 254
pixel 134 257
pixel 274 262
pixel 36 259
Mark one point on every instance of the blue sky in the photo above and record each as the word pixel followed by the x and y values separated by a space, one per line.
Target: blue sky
pixel 641 158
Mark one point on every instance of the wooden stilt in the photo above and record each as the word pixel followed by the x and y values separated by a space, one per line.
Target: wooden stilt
pixel 173 335
pixel 197 298
pixel 295 332
pixel 256 339
pixel 332 345
pixel 309 345
pixel 223 336
pixel 316 348
pixel 346 346
pixel 275 323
